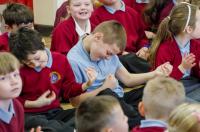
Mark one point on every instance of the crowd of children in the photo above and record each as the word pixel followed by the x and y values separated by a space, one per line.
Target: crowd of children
pixel 86 65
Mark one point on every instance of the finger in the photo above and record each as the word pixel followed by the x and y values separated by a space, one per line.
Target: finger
pixel 46 93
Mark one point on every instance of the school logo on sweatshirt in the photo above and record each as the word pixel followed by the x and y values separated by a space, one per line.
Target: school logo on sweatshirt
pixel 55 77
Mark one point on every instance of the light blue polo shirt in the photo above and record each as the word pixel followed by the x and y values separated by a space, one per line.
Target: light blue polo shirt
pixel 6 116
pixel 153 123
pixel 112 11
pixel 79 60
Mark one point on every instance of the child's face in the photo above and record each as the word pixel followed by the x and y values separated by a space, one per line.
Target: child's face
pixel 196 32
pixel 103 50
pixel 10 85
pixel 109 2
pixel 119 121
pixel 80 9
pixel 38 59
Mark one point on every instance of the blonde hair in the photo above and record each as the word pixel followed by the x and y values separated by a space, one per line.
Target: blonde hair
pixel 161 95
pixel 114 33
pixel 8 63
pixel 174 24
pixel 185 118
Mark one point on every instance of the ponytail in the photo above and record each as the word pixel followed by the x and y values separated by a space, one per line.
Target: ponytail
pixel 163 33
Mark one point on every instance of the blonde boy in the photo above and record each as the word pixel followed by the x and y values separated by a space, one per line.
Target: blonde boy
pixel 161 95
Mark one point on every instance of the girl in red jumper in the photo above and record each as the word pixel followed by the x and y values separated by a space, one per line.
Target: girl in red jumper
pixel 174 42
pixel 68 32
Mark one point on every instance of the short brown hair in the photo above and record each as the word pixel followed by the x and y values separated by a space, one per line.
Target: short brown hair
pixel 8 63
pixel 95 113
pixel 161 96
pixel 113 32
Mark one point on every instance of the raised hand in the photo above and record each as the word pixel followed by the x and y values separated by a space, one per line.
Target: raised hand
pixel 143 53
pixel 46 98
pixel 164 69
pixel 110 82
pixel 92 75
pixel 188 61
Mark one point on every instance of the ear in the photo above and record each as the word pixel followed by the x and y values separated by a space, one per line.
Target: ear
pixel 7 27
pixel 188 29
pixel 98 36
pixel 141 109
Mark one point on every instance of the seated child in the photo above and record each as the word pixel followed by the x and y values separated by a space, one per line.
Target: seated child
pixel 45 75
pixel 185 118
pixel 15 15
pixel 11 110
pixel 99 50
pixel 129 18
pixel 68 32
pixel 161 95
pixel 101 114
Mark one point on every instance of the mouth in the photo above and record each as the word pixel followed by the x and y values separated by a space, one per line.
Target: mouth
pixel 15 90
pixel 83 13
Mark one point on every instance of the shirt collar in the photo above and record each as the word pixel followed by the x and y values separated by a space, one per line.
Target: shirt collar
pixel 80 31
pixel 153 123
pixel 6 116
pixel 175 2
pixel 49 62
pixel 112 11
pixel 187 45
pixel 142 1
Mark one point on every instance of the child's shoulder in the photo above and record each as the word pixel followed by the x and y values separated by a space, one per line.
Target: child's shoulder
pixel 17 106
pixel 66 24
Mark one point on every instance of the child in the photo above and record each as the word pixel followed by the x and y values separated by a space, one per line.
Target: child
pixel 10 88
pixel 46 75
pixel 11 110
pixel 185 118
pixel 129 18
pixel 161 95
pixel 15 16
pixel 174 42
pixel 68 32
pixel 101 114
pixel 99 50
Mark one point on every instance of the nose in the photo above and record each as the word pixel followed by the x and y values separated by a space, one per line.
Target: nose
pixel 13 79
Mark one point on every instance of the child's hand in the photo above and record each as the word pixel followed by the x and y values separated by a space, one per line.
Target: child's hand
pixel 188 61
pixel 46 98
pixel 164 69
pixel 110 82
pixel 92 75
pixel 38 129
pixel 149 35
pixel 143 53
pixel 125 53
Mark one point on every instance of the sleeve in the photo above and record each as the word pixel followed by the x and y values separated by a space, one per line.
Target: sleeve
pixel 163 55
pixel 70 87
pixel 62 39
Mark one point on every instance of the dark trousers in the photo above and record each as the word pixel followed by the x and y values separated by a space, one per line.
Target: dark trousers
pixel 56 120
pixel 128 104
pixel 192 88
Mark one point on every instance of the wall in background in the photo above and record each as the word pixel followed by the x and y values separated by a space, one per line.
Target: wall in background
pixel 45 10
